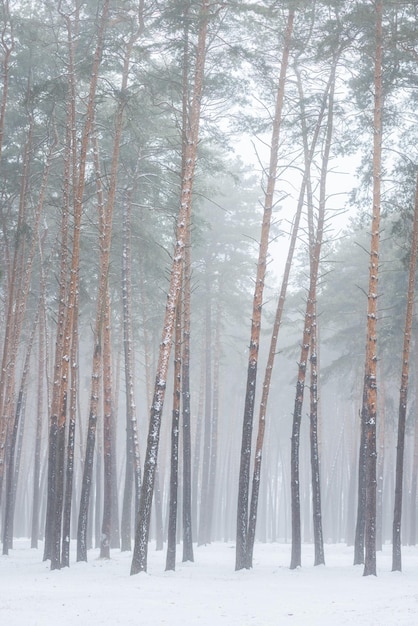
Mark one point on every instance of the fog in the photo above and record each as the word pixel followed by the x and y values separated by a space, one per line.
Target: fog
pixel 168 180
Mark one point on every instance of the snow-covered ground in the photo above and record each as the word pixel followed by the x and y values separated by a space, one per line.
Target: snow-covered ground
pixel 209 591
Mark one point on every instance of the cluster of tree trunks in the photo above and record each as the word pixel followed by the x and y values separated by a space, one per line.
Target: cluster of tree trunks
pixel 90 167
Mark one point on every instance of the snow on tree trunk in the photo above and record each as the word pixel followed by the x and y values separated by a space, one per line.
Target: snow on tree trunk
pixel 139 561
pixel 369 412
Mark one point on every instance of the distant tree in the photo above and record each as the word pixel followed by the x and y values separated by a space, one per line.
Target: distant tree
pixel 7 46
pixel 133 467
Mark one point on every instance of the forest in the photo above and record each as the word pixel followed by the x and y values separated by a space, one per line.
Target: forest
pixel 208 241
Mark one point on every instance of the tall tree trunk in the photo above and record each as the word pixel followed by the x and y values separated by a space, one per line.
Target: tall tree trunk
pixel 310 329
pixel 403 395
pixel 172 506
pixel 241 558
pixel 59 353
pixel 139 561
pixel 309 152
pixel 68 289
pixel 369 412
pixel 106 221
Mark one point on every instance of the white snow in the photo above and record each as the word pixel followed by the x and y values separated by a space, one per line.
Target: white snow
pixel 208 592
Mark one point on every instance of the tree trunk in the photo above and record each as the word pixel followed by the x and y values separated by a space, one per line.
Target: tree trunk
pixel 274 338
pixel 241 558
pixel 139 561
pixel 369 412
pixel 108 447
pixel 403 395
pixel 106 223
pixel 310 329
pixel 172 506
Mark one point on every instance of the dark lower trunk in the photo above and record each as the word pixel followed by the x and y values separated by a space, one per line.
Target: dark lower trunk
pixel 66 518
pixel 371 484
pixel 241 560
pixel 52 467
pixel 59 498
pixel 140 553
